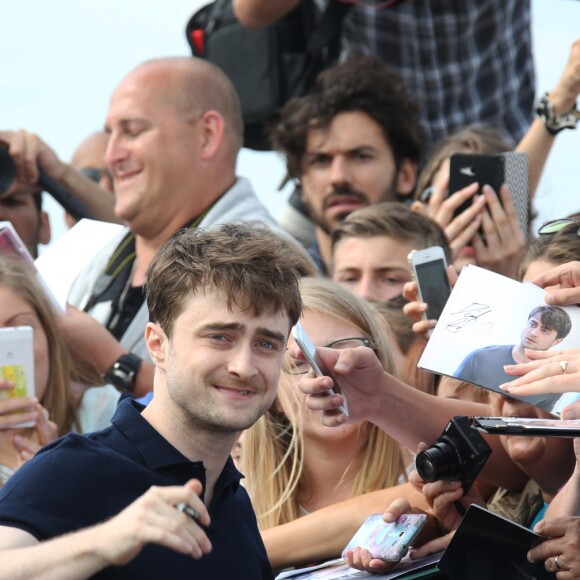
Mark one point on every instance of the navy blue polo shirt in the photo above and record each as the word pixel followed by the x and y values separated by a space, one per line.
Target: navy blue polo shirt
pixel 81 480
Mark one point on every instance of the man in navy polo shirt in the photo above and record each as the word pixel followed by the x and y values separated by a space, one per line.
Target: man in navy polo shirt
pixel 111 504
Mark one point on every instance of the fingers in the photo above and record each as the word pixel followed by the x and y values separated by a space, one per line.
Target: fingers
pixel 563 297
pixel 432 547
pixel 445 212
pixel 24 150
pixel 362 559
pixel 25 447
pixel 47 430
pixel 397 508
pixel 17 410
pixel 553 376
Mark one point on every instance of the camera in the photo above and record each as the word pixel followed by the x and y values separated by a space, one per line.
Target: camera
pixel 57 191
pixel 7 170
pixel 459 454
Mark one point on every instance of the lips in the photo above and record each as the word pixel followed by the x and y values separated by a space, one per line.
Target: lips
pixel 235 393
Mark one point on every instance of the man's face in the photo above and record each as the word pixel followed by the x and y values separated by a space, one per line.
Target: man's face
pixel 152 153
pixel 89 158
pixel 348 166
pixel 220 369
pixel 375 268
pixel 536 336
pixel 18 207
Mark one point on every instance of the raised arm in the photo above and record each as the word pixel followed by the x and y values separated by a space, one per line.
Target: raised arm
pixel 29 153
pixel 257 13
pixel 151 519
pixel 537 142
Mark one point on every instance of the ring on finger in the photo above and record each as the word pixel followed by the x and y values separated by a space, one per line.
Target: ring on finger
pixel 563 365
pixel 556 563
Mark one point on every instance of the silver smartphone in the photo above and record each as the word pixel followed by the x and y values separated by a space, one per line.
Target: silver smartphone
pixel 429 269
pixel 527 426
pixel 317 364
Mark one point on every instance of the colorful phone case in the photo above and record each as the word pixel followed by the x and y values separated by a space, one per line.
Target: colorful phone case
pixel 388 542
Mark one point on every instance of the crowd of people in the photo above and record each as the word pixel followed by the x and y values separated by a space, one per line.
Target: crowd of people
pixel 173 369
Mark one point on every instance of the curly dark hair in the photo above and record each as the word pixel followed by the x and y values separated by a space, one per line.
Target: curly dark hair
pixel 360 84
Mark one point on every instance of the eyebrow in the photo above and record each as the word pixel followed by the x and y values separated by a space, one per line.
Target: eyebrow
pixel 237 326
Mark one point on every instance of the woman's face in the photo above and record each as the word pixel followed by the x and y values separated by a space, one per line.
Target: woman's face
pixel 322 329
pixel 15 311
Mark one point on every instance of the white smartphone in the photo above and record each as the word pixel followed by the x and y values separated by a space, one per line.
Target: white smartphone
pixel 17 363
pixel 320 369
pixel 429 269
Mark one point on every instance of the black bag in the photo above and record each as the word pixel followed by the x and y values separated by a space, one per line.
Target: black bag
pixel 269 65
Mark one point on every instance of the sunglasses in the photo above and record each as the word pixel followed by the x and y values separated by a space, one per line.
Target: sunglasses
pixel 554 226
pixel 95 174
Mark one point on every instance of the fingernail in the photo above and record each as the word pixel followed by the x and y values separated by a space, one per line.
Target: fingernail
pixel 568 414
pixel 508 367
pixel 505 388
pixel 549 299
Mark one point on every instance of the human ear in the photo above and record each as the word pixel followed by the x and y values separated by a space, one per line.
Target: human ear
pixel 157 343
pixel 406 177
pixel 212 134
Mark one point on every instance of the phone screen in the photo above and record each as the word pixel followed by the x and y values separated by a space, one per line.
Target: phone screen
pixel 434 286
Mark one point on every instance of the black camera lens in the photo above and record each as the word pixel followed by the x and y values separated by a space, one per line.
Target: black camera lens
pixel 7 170
pixel 440 461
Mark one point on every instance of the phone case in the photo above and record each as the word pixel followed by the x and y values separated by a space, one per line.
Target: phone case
pixel 17 363
pixel 388 542
pixel 527 426
pixel 494 170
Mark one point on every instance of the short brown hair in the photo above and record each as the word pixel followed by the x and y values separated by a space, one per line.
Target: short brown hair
pixel 394 220
pixel 553 318
pixel 253 268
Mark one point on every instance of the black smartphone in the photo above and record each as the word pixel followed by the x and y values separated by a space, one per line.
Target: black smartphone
pixel 527 426
pixel 467 168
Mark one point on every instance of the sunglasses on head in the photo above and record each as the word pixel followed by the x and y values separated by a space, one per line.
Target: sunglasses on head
pixel 554 226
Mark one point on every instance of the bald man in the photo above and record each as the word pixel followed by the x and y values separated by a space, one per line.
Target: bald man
pixel 174 132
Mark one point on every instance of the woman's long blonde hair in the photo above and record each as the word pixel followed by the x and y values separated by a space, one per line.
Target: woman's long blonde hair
pixel 16 276
pixel 273 448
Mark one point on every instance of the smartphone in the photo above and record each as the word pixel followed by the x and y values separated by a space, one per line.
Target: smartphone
pixel 465 169
pixel 315 361
pixel 429 269
pixel 527 426
pixel 17 363
pixel 388 542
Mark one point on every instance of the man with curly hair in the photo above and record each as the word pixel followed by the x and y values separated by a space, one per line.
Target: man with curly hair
pixel 354 142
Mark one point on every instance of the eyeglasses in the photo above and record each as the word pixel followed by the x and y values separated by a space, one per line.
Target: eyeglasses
pixel 95 174
pixel 294 366
pixel 554 226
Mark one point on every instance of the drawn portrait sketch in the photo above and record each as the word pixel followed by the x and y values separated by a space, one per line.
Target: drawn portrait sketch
pixel 488 322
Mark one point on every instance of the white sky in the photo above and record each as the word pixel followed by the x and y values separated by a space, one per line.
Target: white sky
pixel 61 59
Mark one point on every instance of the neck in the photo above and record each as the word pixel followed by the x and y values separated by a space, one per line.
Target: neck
pixel 325 464
pixel 324 242
pixel 191 441
pixel 518 354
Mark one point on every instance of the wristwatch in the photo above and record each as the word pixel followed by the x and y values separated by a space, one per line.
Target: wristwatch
pixel 123 372
pixel 556 122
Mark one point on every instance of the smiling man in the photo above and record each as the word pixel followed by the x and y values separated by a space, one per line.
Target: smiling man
pixel 222 303
pixel 354 142
pixel 546 327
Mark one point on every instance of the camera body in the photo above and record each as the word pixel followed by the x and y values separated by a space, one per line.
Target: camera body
pixel 459 454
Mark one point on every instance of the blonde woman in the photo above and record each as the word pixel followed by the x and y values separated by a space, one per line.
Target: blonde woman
pixel 62 401
pixel 293 464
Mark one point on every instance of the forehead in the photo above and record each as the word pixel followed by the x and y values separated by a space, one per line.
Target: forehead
pixel 347 131
pixel 537 318
pixel 142 94
pixel 324 328
pixel 376 251
pixel 209 306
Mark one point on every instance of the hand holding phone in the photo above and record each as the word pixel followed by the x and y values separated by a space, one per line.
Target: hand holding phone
pixel 316 363
pixel 429 269
pixel 388 542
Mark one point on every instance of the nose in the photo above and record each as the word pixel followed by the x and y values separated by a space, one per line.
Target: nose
pixel 242 363
pixel 116 151
pixel 367 289
pixel 339 170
